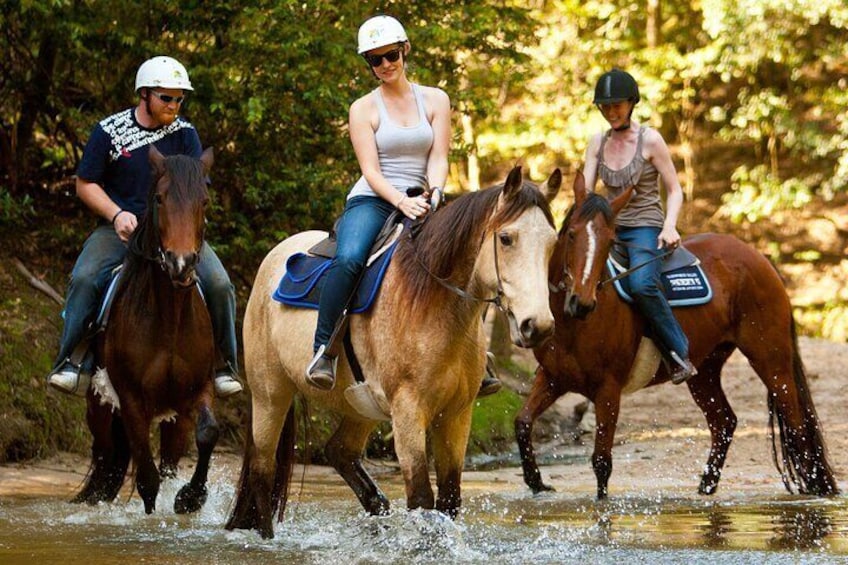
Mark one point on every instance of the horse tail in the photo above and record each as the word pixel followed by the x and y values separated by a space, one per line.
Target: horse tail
pixel 803 462
pixel 248 511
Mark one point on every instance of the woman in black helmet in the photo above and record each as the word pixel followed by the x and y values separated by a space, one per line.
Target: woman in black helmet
pixel 629 154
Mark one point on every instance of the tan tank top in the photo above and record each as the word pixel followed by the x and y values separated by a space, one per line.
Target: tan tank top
pixel 645 206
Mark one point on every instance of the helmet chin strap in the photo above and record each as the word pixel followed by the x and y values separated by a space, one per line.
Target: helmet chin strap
pixel 624 127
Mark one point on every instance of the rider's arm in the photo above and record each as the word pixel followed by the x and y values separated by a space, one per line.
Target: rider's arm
pixel 437 161
pixel 659 154
pixel 590 165
pixel 93 195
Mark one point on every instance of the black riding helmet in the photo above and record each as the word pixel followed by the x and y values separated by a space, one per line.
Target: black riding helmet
pixel 616 86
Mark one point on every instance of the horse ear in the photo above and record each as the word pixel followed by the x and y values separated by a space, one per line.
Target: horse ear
pixel 157 160
pixel 208 158
pixel 579 188
pixel 621 200
pixel 513 182
pixel 551 188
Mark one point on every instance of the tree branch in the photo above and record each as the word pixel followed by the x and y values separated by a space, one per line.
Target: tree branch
pixel 38 284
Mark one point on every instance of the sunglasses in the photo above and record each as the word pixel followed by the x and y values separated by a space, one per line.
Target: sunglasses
pixel 167 98
pixel 377 60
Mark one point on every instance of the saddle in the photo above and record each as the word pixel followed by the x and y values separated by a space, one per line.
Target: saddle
pixel 683 281
pixel 301 285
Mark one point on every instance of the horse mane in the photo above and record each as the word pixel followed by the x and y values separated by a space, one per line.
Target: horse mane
pixel 593 205
pixel 449 240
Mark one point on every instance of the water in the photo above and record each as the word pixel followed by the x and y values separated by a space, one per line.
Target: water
pixel 501 522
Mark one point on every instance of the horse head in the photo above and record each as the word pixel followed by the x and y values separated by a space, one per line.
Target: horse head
pixel 516 263
pixel 177 210
pixel 585 240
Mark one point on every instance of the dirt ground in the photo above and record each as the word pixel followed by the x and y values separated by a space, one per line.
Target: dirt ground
pixel 661 443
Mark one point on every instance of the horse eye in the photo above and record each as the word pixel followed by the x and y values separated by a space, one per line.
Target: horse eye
pixel 506 239
pixel 159 198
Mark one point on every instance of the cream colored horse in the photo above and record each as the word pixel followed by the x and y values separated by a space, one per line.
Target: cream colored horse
pixel 421 348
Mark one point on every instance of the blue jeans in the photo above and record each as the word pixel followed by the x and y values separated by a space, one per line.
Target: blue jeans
pixel 361 222
pixel 644 284
pixel 101 253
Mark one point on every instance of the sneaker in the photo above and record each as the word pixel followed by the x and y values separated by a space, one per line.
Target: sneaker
pixel 683 369
pixel 321 372
pixel 226 384
pixel 491 383
pixel 69 379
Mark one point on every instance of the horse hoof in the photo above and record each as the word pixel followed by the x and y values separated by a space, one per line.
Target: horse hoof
pixel 542 487
pixel 190 499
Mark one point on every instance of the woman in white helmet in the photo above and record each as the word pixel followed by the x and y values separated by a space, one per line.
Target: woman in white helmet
pixel 401 135
pixel 113 180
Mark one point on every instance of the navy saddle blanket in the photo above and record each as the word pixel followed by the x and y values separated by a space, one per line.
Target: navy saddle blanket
pixel 301 285
pixel 685 285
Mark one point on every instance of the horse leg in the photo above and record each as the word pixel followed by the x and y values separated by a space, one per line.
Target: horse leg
pixel 138 434
pixel 109 456
pixel 709 396
pixel 411 447
pixel 543 394
pixel 449 442
pixel 344 452
pixel 607 404
pixel 173 445
pixel 193 495
pixel 267 462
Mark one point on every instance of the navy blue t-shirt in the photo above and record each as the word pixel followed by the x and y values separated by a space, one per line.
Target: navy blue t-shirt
pixel 116 156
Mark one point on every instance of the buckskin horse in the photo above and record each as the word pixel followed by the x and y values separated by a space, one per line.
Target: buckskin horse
pixel 592 354
pixel 157 347
pixel 421 347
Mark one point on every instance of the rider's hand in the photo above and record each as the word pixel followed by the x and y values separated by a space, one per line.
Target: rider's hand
pixel 668 238
pixel 413 207
pixel 125 224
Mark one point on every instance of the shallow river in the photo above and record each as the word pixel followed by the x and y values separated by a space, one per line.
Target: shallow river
pixel 501 522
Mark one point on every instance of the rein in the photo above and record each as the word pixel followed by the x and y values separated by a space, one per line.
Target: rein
pixel 497 300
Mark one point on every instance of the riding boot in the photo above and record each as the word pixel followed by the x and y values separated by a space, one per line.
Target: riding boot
pixel 491 383
pixel 321 371
pixel 682 370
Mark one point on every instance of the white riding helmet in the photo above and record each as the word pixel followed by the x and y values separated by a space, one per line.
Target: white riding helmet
pixel 162 72
pixel 380 31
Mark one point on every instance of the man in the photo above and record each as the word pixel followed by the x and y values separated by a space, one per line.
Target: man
pixel 113 180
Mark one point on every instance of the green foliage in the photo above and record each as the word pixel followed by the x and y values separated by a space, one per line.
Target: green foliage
pixel 757 194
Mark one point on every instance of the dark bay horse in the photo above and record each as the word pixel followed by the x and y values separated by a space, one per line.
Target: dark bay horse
pixel 157 347
pixel 421 348
pixel 598 335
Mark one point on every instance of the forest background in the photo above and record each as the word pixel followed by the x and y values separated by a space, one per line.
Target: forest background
pixel 750 94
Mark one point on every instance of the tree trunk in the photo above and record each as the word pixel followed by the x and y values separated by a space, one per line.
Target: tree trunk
pixel 653 31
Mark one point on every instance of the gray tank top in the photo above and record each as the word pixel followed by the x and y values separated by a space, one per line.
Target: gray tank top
pixel 402 151
pixel 645 207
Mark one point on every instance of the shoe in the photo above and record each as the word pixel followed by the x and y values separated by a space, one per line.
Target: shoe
pixel 321 372
pixel 226 384
pixel 69 379
pixel 683 369
pixel 491 383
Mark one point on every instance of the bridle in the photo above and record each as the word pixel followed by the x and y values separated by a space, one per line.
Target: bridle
pixel 497 300
pixel 562 285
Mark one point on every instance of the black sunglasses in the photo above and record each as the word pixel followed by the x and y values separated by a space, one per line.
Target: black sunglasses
pixel 377 60
pixel 167 98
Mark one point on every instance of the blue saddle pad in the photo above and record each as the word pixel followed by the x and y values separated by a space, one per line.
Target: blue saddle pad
pixel 684 286
pixel 301 285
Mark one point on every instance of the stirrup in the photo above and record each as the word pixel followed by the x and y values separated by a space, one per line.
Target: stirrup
pixel 70 379
pixel 321 371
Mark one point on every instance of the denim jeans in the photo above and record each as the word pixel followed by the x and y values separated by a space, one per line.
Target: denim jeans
pixel 645 288
pixel 361 222
pixel 101 253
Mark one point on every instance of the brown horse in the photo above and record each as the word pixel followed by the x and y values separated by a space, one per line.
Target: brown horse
pixel 594 355
pixel 421 348
pixel 157 347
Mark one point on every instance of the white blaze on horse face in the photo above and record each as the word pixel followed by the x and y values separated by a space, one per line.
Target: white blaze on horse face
pixel 591 244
